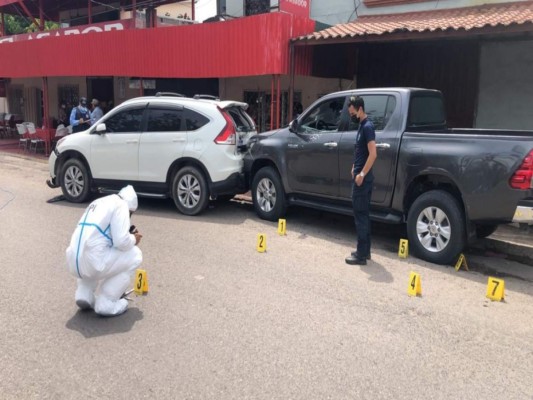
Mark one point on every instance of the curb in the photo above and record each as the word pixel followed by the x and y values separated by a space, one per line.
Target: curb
pixel 16 154
pixel 514 251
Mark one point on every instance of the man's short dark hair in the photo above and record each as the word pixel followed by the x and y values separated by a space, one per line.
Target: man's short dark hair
pixel 357 102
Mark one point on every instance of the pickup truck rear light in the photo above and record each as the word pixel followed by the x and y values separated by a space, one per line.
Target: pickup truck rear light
pixel 228 134
pixel 523 177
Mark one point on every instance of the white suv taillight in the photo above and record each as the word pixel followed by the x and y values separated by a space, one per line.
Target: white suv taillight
pixel 523 177
pixel 228 134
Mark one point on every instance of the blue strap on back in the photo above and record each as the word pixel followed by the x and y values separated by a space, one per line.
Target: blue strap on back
pixel 83 225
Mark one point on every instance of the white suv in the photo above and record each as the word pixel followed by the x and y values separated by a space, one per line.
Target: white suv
pixel 165 146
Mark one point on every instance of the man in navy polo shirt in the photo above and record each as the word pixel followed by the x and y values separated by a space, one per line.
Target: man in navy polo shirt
pixel 364 156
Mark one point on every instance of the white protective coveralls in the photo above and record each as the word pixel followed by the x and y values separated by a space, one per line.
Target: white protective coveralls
pixel 103 253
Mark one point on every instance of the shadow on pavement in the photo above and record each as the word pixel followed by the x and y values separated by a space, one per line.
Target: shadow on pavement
pixel 377 272
pixel 92 325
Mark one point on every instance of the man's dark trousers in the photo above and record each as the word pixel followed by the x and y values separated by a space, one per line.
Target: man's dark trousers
pixel 361 196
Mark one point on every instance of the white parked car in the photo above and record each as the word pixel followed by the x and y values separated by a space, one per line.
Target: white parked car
pixel 164 146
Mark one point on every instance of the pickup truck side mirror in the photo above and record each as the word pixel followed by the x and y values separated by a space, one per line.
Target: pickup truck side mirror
pixel 293 126
pixel 100 129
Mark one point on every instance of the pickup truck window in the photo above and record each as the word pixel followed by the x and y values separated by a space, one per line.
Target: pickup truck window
pixel 325 116
pixel 426 110
pixel 379 109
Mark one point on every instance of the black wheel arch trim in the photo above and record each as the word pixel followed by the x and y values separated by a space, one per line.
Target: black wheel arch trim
pixel 183 162
pixel 67 155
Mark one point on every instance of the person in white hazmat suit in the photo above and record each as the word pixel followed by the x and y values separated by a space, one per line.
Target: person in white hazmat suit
pixel 103 254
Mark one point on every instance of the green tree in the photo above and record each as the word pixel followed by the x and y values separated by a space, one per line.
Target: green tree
pixel 16 24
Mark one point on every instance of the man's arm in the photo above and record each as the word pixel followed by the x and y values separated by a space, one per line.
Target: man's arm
pixel 120 226
pixel 372 155
pixel 73 120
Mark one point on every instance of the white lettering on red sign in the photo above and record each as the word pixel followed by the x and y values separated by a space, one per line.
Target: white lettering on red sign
pixel 115 26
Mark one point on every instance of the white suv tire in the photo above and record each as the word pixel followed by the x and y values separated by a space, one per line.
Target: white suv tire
pixel 190 191
pixel 75 181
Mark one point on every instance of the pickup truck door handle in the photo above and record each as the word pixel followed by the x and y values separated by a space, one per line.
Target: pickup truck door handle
pixel 179 140
pixel 132 141
pixel 331 144
pixel 383 146
pixel 292 146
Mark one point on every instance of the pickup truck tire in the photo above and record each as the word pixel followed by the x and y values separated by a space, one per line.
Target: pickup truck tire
pixel 268 195
pixel 190 191
pixel 436 227
pixel 75 181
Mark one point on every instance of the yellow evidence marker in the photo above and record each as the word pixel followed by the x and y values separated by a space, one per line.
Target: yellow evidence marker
pixel 261 242
pixel 403 249
pixel 461 261
pixel 495 289
pixel 140 285
pixel 415 285
pixel 282 227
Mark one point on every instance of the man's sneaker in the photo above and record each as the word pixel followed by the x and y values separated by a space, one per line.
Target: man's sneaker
pixel 355 261
pixel 354 254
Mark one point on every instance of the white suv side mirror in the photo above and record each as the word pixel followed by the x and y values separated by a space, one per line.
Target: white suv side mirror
pixel 100 128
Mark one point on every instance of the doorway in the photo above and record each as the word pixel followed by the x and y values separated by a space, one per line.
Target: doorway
pixel 102 89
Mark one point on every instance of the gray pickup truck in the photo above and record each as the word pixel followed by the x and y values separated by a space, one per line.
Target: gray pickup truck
pixel 449 185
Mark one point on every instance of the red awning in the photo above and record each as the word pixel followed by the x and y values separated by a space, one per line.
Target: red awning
pixel 257 45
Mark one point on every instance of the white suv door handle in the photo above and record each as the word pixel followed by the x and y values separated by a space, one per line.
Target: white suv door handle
pixel 331 144
pixel 132 141
pixel 383 146
pixel 179 140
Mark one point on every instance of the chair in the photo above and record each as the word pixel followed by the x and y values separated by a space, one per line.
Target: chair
pixel 2 125
pixel 61 131
pixel 12 123
pixel 6 124
pixel 24 140
pixel 35 141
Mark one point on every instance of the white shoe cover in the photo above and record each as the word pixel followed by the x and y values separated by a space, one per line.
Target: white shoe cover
pixel 110 308
pixel 84 295
pixel 84 304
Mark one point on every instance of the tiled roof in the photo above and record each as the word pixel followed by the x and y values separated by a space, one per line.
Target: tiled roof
pixel 466 18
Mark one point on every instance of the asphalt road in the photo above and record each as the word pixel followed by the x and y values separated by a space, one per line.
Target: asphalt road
pixel 222 321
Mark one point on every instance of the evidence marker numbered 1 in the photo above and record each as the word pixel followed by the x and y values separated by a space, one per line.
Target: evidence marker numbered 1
pixel 282 227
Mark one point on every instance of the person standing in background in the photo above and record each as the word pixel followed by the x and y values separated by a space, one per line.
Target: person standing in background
pixel 97 112
pixel 80 117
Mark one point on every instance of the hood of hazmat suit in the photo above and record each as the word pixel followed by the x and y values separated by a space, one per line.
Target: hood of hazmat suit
pixel 129 196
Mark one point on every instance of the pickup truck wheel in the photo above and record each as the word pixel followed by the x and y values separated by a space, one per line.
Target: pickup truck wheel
pixel 436 227
pixel 268 194
pixel 75 181
pixel 190 191
pixel 482 231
